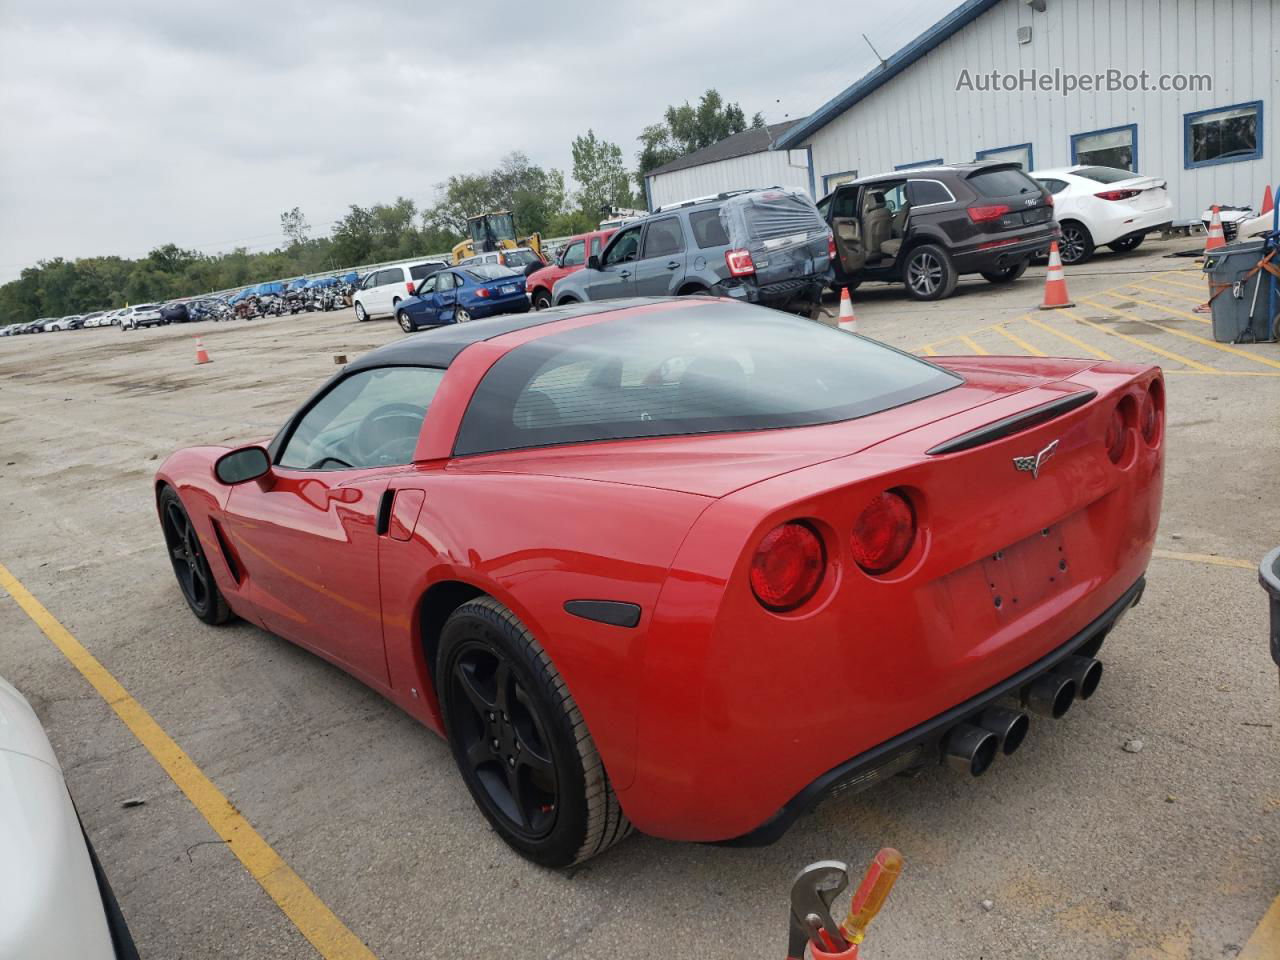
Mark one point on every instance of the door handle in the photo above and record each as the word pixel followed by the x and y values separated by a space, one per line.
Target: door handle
pixel 673 264
pixel 624 274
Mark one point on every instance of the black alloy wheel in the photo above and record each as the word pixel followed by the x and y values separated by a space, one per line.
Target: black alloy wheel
pixel 1076 243
pixel 190 565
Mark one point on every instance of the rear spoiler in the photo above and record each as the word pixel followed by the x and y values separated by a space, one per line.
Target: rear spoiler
pixel 1013 424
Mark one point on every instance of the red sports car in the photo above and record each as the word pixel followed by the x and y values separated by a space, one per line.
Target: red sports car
pixel 687 565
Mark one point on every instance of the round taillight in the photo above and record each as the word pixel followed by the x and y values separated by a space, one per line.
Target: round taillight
pixel 1149 419
pixel 883 533
pixel 1116 435
pixel 788 566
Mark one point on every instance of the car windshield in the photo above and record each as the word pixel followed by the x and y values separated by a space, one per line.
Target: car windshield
pixel 520 258
pixel 490 271
pixel 715 369
pixel 1104 174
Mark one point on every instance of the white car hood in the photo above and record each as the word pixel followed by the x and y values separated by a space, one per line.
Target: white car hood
pixel 50 905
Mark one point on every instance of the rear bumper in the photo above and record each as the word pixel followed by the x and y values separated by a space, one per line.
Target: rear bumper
pixel 997 258
pixel 921 744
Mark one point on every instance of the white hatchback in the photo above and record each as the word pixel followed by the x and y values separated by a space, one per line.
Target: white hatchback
pixel 382 290
pixel 1104 205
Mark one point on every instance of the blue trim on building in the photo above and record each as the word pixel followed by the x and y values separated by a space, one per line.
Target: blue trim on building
pixel 944 29
pixel 1132 127
pixel 917 164
pixel 1187 118
pixel 1031 154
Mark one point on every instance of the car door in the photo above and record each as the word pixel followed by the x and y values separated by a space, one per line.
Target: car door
pixel 847 228
pixel 660 269
pixel 307 534
pixel 369 292
pixel 428 311
pixel 616 276
pixel 447 296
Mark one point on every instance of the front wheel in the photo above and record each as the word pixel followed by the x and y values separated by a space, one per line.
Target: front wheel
pixel 361 314
pixel 1007 275
pixel 1125 244
pixel 1076 244
pixel 541 300
pixel 406 324
pixel 190 564
pixel 929 274
pixel 520 741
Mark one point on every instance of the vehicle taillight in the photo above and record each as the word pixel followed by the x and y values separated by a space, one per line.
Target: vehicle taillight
pixel 831 246
pixel 739 262
pixel 1149 416
pixel 994 211
pixel 1117 435
pixel 788 566
pixel 408 284
pixel 483 292
pixel 1048 198
pixel 883 533
pixel 1117 194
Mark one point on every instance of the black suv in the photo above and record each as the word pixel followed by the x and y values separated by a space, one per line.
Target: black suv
pixel 926 226
pixel 769 247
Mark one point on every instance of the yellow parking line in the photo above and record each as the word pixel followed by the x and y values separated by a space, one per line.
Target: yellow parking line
pixel 928 350
pixel 1185 361
pixel 1163 278
pixel 1169 293
pixel 1208 558
pixel 1018 341
pixel 1094 351
pixel 1145 303
pixel 1224 347
pixel 973 345
pixel 1264 943
pixel 297 901
pixel 1198 318
pixel 1230 373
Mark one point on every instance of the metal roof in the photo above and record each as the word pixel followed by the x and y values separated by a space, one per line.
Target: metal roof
pixel 944 29
pixel 751 140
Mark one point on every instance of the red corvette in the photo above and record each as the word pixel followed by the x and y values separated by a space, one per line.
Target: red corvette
pixel 689 565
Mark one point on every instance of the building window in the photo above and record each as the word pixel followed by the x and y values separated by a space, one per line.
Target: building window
pixel 919 163
pixel 1113 147
pixel 1223 135
pixel 833 180
pixel 1019 153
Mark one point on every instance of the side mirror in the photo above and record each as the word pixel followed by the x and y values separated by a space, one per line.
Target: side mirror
pixel 243 465
pixel 593 262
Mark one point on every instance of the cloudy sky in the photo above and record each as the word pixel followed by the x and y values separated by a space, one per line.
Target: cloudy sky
pixel 132 124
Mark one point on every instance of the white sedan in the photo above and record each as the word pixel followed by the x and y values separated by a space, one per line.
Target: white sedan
pixel 54 899
pixel 1104 205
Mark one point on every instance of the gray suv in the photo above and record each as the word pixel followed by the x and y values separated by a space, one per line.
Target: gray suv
pixel 770 247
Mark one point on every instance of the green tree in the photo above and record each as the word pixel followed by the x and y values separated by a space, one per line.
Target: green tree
pixel 294 226
pixel 686 128
pixel 602 178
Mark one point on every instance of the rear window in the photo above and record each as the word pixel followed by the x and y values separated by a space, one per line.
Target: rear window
pixel 922 192
pixel 708 231
pixel 1104 174
pixel 715 368
pixel 1002 183
pixel 424 270
pixel 772 215
pixel 490 271
pixel 520 258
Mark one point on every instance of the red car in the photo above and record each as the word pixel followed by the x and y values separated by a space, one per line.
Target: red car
pixel 687 565
pixel 540 283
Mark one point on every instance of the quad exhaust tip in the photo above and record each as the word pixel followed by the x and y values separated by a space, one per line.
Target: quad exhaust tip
pixel 1050 695
pixel 1010 726
pixel 970 749
pixel 1085 671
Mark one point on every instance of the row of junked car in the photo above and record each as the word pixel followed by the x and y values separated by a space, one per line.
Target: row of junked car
pixel 126 318
pixel 923 228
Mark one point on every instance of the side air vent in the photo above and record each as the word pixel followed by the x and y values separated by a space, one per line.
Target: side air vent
pixel 1014 424
pixel 228 555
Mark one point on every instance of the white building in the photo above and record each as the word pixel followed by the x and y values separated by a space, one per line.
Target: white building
pixel 1205 135
pixel 743 160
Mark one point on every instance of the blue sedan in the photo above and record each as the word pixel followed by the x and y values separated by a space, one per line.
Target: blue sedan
pixel 460 294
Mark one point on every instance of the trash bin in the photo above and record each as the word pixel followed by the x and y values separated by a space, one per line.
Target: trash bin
pixel 1269 577
pixel 1227 267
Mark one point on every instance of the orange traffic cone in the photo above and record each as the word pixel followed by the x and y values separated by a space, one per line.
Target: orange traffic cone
pixel 1215 238
pixel 1268 204
pixel 848 322
pixel 1055 282
pixel 202 355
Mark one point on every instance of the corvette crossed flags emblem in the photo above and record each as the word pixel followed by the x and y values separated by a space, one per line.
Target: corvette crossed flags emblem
pixel 1033 463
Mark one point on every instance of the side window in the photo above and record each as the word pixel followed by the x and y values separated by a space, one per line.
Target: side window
pixel 845 204
pixel 429 285
pixel 922 192
pixel 707 229
pixel 624 248
pixel 1054 185
pixel 394 275
pixel 663 238
pixel 595 246
pixel 369 419
pixel 575 254
pixel 371 280
pixel 893 196
pixel 446 282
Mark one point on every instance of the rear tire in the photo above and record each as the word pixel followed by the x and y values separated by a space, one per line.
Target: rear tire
pixel 1076 244
pixel 361 314
pixel 1125 244
pixel 1007 275
pixel 543 787
pixel 928 273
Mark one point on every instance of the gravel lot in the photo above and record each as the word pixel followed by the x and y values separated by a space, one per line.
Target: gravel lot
pixel 1083 849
